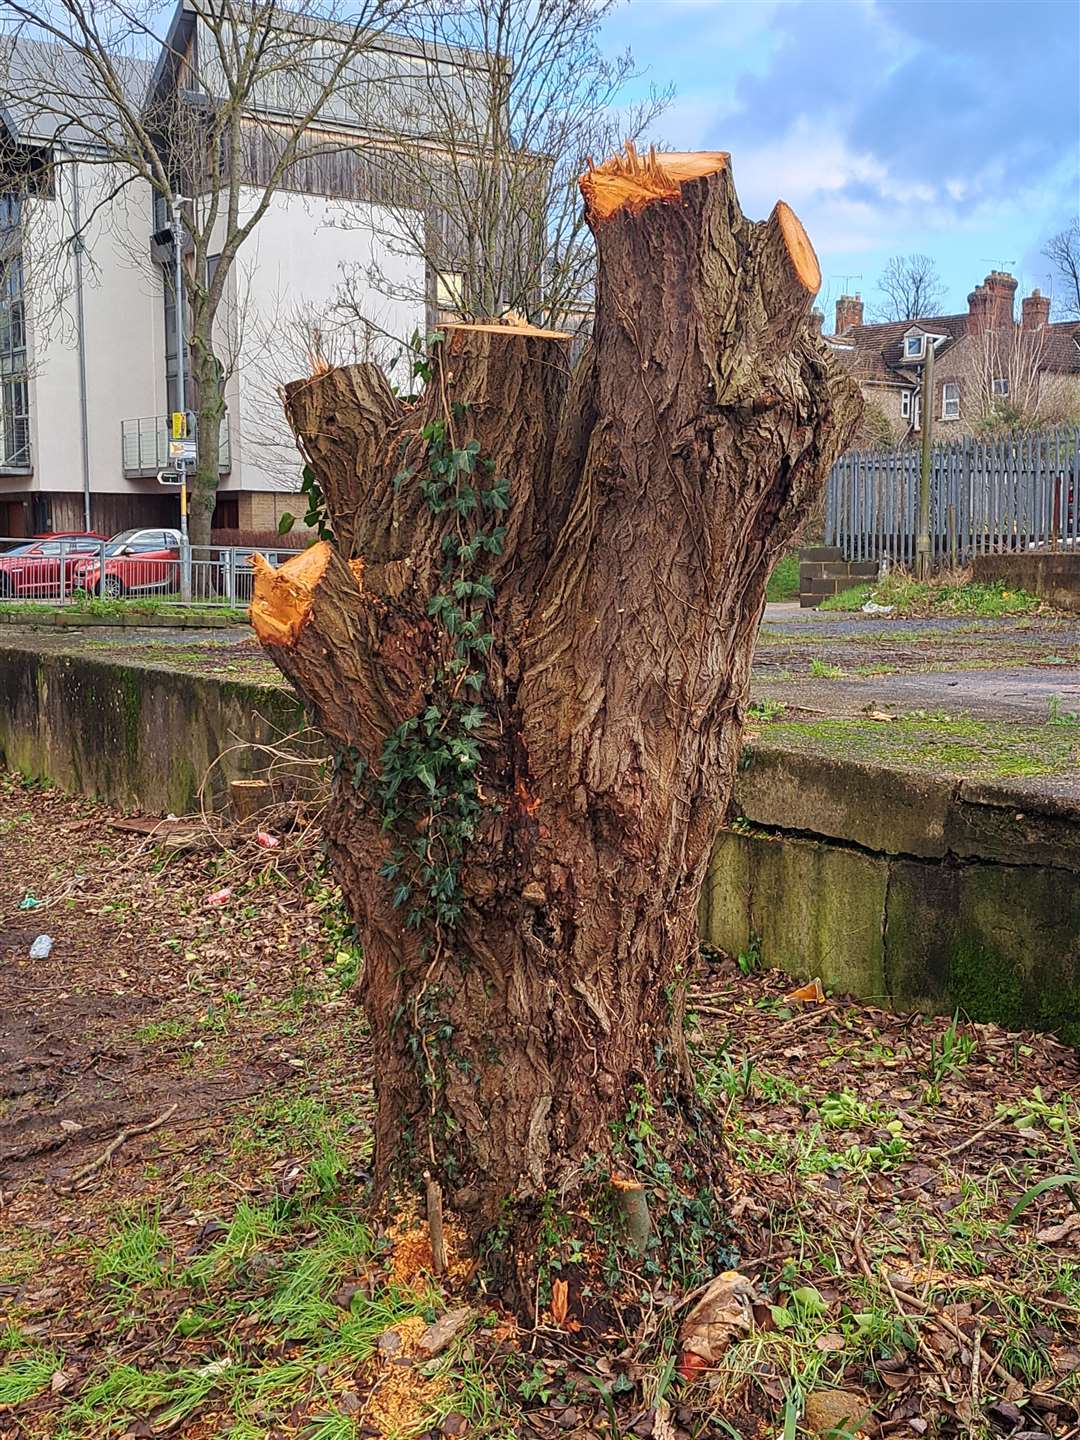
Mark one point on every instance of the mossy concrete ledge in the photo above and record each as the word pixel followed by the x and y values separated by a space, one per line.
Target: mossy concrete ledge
pixel 828 872
pixel 139 737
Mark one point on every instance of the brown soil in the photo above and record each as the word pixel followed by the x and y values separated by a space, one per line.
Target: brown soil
pixel 124 1018
pixel 152 998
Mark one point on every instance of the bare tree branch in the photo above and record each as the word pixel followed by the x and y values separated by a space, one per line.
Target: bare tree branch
pixel 911 288
pixel 488 192
pixel 1063 252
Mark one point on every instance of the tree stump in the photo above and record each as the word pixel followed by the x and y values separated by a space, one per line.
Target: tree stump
pixel 530 649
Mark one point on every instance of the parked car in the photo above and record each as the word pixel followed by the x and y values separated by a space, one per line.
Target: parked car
pixel 33 568
pixel 137 562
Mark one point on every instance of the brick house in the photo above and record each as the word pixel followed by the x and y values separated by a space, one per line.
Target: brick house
pixel 986 364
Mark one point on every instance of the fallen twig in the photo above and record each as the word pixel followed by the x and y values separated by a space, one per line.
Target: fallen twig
pixel 85 1171
pixel 964 1144
pixel 921 1345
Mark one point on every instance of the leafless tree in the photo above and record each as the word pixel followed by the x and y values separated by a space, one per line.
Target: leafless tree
pixel 488 194
pixel 212 112
pixel 910 287
pixel 1006 383
pixel 1063 252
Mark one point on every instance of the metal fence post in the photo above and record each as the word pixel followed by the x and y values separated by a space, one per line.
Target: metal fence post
pixel 101 570
pixel 185 570
pixel 230 577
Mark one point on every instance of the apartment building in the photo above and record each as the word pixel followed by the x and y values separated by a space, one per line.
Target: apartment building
pixel 86 387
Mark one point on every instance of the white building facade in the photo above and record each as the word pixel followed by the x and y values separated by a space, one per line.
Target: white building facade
pixel 86 385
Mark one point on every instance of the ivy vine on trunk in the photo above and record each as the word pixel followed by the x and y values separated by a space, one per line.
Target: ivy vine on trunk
pixel 529 645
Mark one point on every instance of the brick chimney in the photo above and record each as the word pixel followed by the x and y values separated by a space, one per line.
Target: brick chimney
pixel 990 305
pixel 848 312
pixel 817 320
pixel 1034 310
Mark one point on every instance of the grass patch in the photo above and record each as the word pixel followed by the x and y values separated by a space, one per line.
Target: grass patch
pixel 933 740
pixel 784 580
pixel 25 1376
pixel 137 1254
pixel 945 596
pixel 118 609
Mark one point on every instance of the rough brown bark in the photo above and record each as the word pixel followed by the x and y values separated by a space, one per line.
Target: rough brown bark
pixel 649 499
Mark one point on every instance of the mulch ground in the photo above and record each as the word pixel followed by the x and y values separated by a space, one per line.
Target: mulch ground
pixel 210 1276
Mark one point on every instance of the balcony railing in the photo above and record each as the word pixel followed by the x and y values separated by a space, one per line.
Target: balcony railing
pixel 145 445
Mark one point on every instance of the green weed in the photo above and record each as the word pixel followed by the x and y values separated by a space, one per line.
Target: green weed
pixel 137 1254
pixel 26 1376
pixel 784 580
pixel 941 596
pixel 951 1053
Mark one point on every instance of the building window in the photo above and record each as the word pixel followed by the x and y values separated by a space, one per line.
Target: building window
pixel 448 290
pixel 914 345
pixel 1001 386
pixel 950 401
pixel 172 392
pixel 905 404
pixel 14 391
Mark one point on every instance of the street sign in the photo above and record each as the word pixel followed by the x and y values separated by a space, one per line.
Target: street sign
pixel 179 425
pixel 169 477
pixel 183 450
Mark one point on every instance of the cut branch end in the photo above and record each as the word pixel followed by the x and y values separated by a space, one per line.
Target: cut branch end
pixel 801 253
pixel 630 181
pixel 284 596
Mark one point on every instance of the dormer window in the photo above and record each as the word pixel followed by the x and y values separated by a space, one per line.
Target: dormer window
pixel 914 346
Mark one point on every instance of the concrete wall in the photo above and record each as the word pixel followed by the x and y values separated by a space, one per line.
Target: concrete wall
pixel 141 738
pixel 823 571
pixel 909 890
pixel 1053 577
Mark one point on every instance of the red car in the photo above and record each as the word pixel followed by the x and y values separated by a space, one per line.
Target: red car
pixel 33 569
pixel 137 562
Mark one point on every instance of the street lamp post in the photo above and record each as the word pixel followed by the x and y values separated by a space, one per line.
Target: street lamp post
pixel 181 398
pixel 922 544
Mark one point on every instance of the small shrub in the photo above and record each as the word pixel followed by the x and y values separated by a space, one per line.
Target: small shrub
pixel 784 580
pixel 947 594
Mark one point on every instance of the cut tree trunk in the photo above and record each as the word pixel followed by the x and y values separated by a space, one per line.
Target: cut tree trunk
pixel 649 496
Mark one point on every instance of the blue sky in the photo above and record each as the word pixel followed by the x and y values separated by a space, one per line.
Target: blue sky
pixel 945 126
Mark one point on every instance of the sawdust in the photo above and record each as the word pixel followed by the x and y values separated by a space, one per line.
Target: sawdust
pixel 410 1263
pixel 402 1400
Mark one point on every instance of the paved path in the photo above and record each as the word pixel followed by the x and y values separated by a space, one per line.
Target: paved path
pixel 1019 667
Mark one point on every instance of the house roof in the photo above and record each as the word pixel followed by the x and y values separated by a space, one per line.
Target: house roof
pixel 874 353
pixel 47 95
pixel 879 349
pixel 1061 347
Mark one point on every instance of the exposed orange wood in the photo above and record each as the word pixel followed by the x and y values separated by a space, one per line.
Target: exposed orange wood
pixel 284 596
pixel 799 248
pixel 630 181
